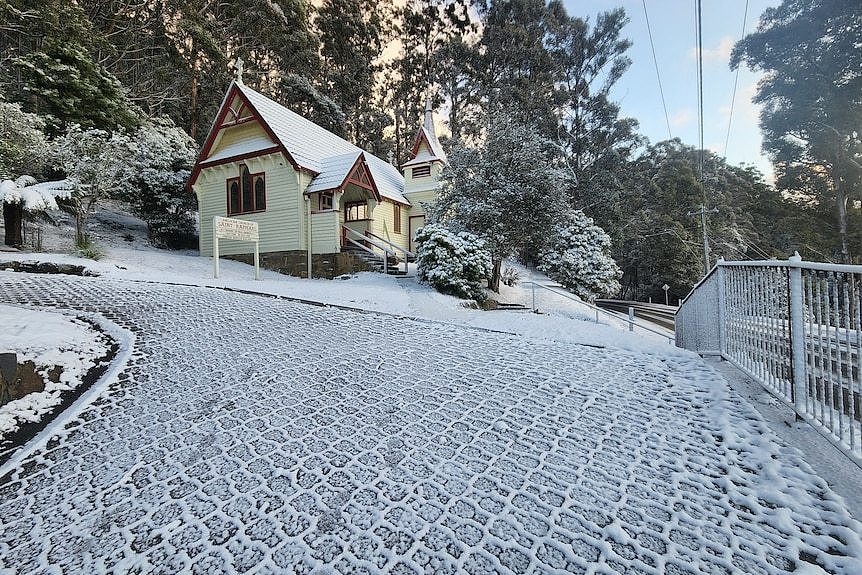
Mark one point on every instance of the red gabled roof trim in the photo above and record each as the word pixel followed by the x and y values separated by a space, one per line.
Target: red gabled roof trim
pixel 348 179
pixel 219 125
pixel 420 135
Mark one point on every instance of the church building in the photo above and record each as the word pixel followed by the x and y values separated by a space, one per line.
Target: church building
pixel 319 200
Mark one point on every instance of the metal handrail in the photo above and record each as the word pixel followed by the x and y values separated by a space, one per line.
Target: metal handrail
pixel 630 320
pixel 407 253
pixel 788 263
pixel 795 328
pixel 386 251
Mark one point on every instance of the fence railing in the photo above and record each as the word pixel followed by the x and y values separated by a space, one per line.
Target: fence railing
pixel 630 321
pixel 793 326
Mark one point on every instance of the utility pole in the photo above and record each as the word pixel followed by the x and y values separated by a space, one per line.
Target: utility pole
pixel 702 213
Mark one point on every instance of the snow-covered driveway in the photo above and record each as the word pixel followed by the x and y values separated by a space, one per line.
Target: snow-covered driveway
pixel 250 434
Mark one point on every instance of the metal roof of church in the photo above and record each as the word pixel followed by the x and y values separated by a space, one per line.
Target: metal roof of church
pixel 318 149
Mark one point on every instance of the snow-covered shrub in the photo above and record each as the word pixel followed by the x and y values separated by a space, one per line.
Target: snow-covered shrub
pixel 93 160
pixel 454 263
pixel 159 160
pixel 22 142
pixel 577 257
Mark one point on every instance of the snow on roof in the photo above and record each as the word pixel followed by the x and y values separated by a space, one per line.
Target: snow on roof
pixel 433 152
pixel 335 170
pixel 320 150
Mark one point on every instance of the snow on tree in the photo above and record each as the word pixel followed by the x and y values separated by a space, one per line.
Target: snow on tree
pixel 158 160
pixel 510 191
pixel 577 257
pixel 22 141
pixel 92 160
pixel 25 194
pixel 22 150
pixel 453 262
pixel 147 168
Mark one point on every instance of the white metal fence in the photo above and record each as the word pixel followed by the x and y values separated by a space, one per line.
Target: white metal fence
pixel 795 327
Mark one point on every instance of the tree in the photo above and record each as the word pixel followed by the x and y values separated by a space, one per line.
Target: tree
pixel 812 98
pixel 351 44
pixel 152 173
pixel 305 99
pixel 577 257
pixel 22 141
pixel 516 72
pixel 510 191
pixel 22 149
pixel 456 71
pixel 657 242
pixel 424 29
pixel 63 83
pixel 597 142
pixel 93 160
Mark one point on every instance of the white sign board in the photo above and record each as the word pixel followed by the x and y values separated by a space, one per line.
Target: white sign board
pixel 238 230
pixel 234 229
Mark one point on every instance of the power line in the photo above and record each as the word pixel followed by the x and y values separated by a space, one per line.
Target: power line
pixel 735 83
pixel 700 90
pixel 657 75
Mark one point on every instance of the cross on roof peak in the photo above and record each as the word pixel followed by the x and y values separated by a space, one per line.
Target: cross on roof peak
pixel 239 66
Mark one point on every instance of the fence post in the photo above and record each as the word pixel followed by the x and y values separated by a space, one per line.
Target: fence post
pixel 722 307
pixel 797 334
pixel 533 285
pixel 631 318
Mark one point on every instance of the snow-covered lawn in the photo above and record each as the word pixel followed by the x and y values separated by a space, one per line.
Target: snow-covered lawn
pixel 50 340
pixel 257 435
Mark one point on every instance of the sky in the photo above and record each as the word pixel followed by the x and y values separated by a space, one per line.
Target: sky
pixel 673 31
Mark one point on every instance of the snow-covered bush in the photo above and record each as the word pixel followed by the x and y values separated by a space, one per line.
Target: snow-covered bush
pixel 22 142
pixel 147 168
pixel 510 276
pixel 159 160
pixel 577 257
pixel 454 263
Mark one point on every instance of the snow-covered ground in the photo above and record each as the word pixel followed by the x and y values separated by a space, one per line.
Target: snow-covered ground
pixel 247 434
pixel 49 340
pixel 258 435
pixel 562 319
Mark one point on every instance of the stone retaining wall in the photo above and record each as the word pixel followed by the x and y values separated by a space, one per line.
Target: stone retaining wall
pixel 295 263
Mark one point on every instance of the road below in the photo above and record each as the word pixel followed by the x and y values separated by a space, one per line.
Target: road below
pixel 255 435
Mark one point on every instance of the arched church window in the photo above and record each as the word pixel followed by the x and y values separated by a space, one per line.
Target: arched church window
pixel 246 193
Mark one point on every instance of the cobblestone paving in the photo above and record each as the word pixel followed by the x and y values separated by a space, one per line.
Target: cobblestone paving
pixel 252 435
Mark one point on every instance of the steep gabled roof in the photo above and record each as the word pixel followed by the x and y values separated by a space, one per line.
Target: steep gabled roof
pixel 433 151
pixel 338 171
pixel 306 146
pixel 319 150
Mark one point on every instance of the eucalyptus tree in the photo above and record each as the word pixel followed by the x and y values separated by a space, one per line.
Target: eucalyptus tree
pixel 812 100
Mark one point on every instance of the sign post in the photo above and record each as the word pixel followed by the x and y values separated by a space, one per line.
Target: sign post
pixel 239 230
pixel 665 287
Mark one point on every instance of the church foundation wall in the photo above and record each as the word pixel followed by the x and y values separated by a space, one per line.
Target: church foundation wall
pixel 295 263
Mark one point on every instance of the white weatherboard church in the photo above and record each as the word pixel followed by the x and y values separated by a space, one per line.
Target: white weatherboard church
pixel 318 199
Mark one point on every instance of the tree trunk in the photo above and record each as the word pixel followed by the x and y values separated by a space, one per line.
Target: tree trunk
pixel 841 201
pixel 13 219
pixel 193 106
pixel 494 281
pixel 80 229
